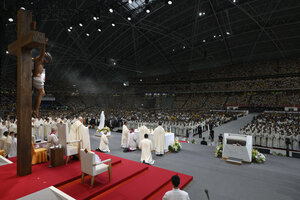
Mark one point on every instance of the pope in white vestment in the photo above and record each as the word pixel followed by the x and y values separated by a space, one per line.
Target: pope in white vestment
pixel 159 140
pixel 142 131
pixel 79 132
pixel 104 142
pixel 146 148
pixel 124 139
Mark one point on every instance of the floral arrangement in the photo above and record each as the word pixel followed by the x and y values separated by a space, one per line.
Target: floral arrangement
pixel 219 151
pixel 176 147
pixel 258 157
pixel 105 128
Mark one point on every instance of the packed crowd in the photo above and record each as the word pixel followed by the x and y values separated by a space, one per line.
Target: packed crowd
pixel 275 129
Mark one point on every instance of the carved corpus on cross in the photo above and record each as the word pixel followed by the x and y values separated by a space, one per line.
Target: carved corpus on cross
pixel 27 40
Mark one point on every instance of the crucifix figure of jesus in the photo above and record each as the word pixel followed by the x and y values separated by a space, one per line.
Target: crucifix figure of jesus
pixel 27 39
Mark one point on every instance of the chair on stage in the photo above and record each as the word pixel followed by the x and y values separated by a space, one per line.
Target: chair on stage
pixel 38 155
pixel 71 147
pixel 91 165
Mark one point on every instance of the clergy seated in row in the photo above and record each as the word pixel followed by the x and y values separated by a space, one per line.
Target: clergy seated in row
pixel 6 142
pixel 159 140
pixel 132 141
pixel 13 147
pixel 124 139
pixel 103 147
pixel 176 193
pixel 52 138
pixel 146 148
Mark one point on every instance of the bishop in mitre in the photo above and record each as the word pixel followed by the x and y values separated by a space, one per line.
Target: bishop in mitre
pixel 79 132
pixel 125 132
pixel 159 140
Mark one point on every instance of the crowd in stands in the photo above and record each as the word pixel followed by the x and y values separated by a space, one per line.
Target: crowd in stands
pixel 275 129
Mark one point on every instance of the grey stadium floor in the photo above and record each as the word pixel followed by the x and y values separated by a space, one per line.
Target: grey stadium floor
pixel 277 178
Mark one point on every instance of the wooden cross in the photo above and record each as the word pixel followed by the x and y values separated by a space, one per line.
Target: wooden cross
pixel 27 40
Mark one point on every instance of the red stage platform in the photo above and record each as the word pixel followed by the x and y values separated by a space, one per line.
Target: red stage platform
pixel 130 180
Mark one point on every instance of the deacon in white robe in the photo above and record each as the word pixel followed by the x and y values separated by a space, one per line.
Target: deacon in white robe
pixel 124 139
pixel 47 127
pixel 13 147
pixel 159 140
pixel 104 142
pixel 146 148
pixel 79 132
pixel 276 140
pixel 132 141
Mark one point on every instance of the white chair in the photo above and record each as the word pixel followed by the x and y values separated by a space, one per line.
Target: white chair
pixel 63 133
pixel 91 167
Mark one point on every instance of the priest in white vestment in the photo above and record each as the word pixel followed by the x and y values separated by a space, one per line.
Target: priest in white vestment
pixel 124 139
pixel 104 142
pixel 52 138
pixel 47 127
pixel 159 140
pixel 142 131
pixel 13 147
pixel 79 132
pixel 146 148
pixel 132 141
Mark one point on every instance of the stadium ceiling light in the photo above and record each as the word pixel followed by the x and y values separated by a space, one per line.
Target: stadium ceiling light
pixel 129 18
pixel 141 80
pixel 113 24
pixel 10 19
pixel 183 47
pixel 204 41
pixel 215 36
pixel 129 1
pixel 80 24
pixel 173 50
pixel 220 35
pixel 22 8
pixel 87 34
pixel 170 2
pixel 99 29
pixel 111 10
pixel 201 14
pixel 95 18
pixel 69 30
pixel 6 52
pixel 71 27
pixel 227 33
pixel 148 10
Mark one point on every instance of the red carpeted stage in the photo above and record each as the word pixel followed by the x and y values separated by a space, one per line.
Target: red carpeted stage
pixel 130 180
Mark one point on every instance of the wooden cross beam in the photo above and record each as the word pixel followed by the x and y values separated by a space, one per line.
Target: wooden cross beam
pixel 27 40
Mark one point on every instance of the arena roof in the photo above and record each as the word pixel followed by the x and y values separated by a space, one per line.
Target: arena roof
pixel 113 40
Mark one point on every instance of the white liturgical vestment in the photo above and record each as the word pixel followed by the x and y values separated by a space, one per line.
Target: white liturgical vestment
pixel 104 143
pixel 142 131
pixel 124 139
pixel 146 147
pixel 159 140
pixel 13 148
pixel 132 139
pixel 79 132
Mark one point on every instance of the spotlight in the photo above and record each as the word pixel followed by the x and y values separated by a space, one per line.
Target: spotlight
pixel 71 27
pixel 111 10
pixel 95 18
pixel 148 9
pixel 201 14
pixel 130 1
pixel 173 50
pixel 69 30
pixel 10 19
pixel 22 8
pixel 80 24
pixel 113 24
pixel 87 34
pixel 183 47
pixel 227 33
pixel 129 18
pixel 220 35
pixel 114 63
pixel 141 80
pixel 98 17
pixel 234 1
pixel 170 2
pixel 99 29
pixel 215 36
pixel 204 41
pixel 6 52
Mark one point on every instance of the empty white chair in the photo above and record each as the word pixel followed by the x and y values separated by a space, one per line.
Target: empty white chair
pixel 92 166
